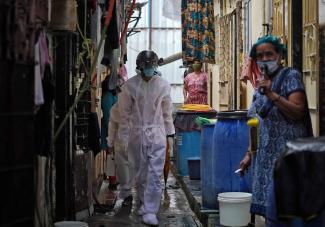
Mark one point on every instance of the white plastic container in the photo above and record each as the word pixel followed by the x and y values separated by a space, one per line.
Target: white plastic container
pixel 70 224
pixel 234 208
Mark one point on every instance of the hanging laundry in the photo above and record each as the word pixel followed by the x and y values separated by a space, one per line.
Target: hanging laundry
pixel 38 89
pixel 43 117
pixel 44 53
pixel 250 71
pixel 112 38
pixel 42 60
pixel 123 72
pixel 198 32
pixel 172 9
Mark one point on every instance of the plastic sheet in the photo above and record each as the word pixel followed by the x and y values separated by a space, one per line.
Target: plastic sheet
pixel 299 178
pixel 185 120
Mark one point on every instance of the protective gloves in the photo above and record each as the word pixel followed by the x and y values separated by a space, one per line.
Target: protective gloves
pixel 110 150
pixel 170 141
pixel 124 145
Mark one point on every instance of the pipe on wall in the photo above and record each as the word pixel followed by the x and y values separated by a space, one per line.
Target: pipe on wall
pixel 170 59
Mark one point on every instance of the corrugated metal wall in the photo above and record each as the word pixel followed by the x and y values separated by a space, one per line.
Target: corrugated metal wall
pixel 165 41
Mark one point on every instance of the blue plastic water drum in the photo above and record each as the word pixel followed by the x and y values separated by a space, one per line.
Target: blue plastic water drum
pixel 230 143
pixel 188 145
pixel 209 195
pixel 194 168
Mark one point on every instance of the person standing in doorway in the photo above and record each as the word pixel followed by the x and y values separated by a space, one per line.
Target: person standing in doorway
pixel 196 86
pixel 145 107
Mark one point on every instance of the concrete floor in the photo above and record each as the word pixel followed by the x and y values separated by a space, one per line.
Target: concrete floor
pixel 174 211
pixel 193 192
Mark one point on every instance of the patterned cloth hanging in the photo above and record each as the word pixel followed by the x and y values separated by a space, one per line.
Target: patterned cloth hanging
pixel 198 36
pixel 20 21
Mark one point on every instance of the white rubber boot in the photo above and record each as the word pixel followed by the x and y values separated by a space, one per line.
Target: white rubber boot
pixel 141 211
pixel 150 219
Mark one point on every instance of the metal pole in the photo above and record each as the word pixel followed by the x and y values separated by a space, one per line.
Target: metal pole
pixel 150 24
pixel 170 59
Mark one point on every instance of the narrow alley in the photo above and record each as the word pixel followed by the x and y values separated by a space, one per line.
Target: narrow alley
pixel 174 211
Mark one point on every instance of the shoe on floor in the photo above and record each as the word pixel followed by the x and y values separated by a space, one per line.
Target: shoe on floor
pixel 127 201
pixel 150 219
pixel 141 211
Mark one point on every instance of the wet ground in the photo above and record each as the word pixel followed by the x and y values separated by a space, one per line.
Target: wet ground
pixel 192 189
pixel 174 210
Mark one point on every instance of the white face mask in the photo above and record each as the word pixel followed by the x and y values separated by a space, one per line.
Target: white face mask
pixel 269 66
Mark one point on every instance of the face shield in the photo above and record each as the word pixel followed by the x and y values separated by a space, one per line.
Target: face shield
pixel 147 62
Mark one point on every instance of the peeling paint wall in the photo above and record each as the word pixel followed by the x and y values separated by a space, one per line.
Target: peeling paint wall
pixel 259 13
pixel 288 23
pixel 220 90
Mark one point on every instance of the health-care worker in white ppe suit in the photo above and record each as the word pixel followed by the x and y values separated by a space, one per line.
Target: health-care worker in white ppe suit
pixel 145 102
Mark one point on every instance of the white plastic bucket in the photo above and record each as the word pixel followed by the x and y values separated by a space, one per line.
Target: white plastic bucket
pixel 70 224
pixel 234 208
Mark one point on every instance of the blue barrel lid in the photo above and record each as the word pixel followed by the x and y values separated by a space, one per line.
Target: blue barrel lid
pixel 211 113
pixel 194 158
pixel 232 114
pixel 209 125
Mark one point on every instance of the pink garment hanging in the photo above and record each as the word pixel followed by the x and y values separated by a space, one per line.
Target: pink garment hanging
pixel 38 87
pixel 123 72
pixel 250 71
pixel 44 53
pixel 42 58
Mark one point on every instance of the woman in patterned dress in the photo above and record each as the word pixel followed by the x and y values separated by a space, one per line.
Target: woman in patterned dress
pixel 195 86
pixel 280 104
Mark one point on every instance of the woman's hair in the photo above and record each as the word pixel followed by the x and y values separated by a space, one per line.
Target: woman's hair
pixel 188 70
pixel 195 61
pixel 275 41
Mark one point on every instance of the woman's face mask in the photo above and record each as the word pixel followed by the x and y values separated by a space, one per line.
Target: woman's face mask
pixel 269 66
pixel 267 58
pixel 149 71
pixel 196 67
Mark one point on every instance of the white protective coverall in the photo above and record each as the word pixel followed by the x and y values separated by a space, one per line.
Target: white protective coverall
pixel 121 154
pixel 147 105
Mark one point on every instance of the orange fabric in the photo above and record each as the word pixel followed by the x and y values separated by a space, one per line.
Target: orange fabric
pixel 109 13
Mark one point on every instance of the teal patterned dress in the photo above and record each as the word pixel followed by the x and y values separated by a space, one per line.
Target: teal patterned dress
pixel 275 130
